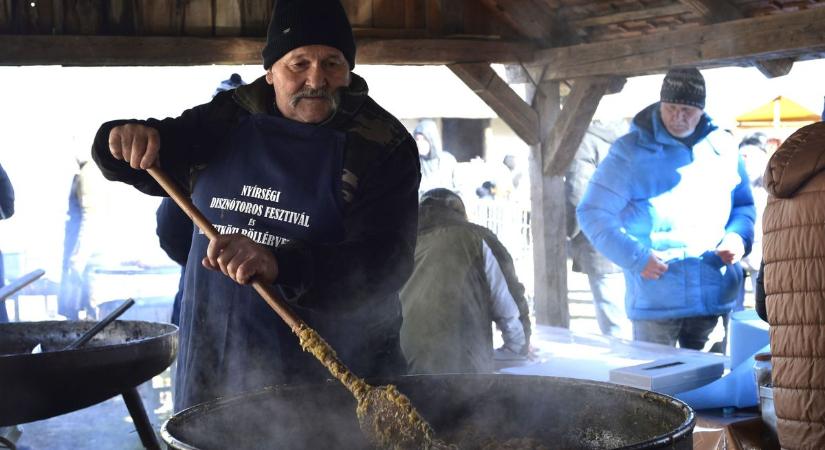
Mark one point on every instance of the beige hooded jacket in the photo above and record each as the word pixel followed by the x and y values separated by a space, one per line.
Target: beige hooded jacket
pixel 794 256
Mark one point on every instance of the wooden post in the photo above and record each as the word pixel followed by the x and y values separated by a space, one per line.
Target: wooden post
pixel 547 220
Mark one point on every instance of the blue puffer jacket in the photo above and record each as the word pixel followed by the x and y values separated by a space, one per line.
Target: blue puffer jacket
pixel 653 193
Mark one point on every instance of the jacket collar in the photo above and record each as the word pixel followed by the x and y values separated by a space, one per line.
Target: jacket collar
pixel 258 97
pixel 648 122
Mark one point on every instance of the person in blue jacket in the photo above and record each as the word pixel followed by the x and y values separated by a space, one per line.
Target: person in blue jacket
pixel 672 205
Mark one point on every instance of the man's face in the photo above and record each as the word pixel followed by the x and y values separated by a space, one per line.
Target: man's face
pixel 306 82
pixel 680 120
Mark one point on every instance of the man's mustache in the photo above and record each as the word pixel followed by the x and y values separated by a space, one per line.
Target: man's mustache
pixel 312 93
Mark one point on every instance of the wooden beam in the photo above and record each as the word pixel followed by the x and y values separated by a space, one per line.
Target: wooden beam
pixel 390 33
pixel 409 13
pixel 443 17
pixel 629 16
pixel 432 16
pixel 547 221
pixel 575 117
pixel 441 51
pixel 714 11
pixel 773 68
pixel 728 43
pixel 23 50
pixel 228 18
pixel 57 16
pixel 486 83
pixel 528 18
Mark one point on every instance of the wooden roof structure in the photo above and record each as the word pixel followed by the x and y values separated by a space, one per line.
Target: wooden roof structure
pixel 581 48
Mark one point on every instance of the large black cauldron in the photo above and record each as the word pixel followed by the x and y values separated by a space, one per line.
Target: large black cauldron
pixel 559 412
pixel 38 386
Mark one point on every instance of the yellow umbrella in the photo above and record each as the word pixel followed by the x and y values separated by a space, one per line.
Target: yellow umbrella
pixel 778 112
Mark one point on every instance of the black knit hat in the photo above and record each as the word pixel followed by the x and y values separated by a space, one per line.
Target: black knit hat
pixel 296 23
pixel 685 87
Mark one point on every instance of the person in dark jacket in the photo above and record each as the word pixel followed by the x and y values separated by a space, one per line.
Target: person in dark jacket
pixel 464 280
pixel 174 230
pixel 174 227
pixel 6 211
pixel 313 187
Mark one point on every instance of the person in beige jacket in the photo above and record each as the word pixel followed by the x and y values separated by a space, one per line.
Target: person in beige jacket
pixel 794 277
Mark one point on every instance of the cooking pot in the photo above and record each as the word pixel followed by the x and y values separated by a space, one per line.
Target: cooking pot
pixel 36 386
pixel 560 413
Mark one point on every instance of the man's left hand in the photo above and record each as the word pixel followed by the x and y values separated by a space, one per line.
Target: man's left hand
pixel 241 259
pixel 731 249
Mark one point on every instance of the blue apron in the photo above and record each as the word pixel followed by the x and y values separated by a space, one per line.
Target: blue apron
pixel 278 181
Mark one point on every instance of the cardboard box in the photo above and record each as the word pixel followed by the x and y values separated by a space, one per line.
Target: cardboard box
pixel 669 375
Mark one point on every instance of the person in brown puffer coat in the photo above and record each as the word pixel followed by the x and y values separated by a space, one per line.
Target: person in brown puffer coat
pixel 794 276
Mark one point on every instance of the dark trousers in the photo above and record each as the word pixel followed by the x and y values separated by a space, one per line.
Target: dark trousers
pixel 689 332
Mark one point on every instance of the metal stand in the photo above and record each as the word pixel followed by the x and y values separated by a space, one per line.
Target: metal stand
pixel 142 425
pixel 9 437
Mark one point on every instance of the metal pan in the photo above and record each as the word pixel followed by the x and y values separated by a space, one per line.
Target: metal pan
pixel 38 386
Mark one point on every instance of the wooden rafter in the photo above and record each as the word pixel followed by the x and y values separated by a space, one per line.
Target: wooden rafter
pixel 57 8
pixel 773 68
pixel 530 19
pixel 494 91
pixel 716 11
pixel 181 51
pixel 573 121
pixel 627 16
pixel 443 16
pixel 442 51
pixel 728 43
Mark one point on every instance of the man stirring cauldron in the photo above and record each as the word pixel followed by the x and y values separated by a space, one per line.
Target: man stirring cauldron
pixel 313 187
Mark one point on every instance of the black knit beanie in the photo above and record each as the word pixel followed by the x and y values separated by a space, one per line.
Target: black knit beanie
pixel 685 87
pixel 296 23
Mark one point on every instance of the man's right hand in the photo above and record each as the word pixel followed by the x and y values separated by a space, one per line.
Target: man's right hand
pixel 136 144
pixel 654 269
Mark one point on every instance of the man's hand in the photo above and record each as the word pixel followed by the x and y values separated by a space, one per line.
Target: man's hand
pixel 241 259
pixel 654 268
pixel 136 144
pixel 731 249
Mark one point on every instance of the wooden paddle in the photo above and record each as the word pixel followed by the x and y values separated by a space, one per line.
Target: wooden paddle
pixel 385 415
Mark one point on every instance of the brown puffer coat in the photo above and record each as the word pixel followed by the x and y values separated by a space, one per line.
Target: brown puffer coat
pixel 794 255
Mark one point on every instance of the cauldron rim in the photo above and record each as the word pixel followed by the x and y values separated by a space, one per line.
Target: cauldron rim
pixel 677 434
pixel 170 331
